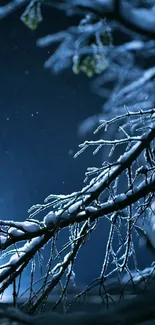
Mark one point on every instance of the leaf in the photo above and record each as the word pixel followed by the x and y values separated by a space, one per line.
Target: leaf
pixel 32 15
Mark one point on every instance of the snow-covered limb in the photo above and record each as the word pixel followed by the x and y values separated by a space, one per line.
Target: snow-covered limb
pixel 140 20
pixel 96 122
pixel 122 189
pixel 147 75
pixel 22 256
pixel 105 123
pixel 120 202
pixel 63 266
pixel 68 212
pixel 11 6
pixel 81 207
pixel 135 92
pixel 100 143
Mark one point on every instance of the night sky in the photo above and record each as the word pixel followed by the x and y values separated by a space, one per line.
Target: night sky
pixel 39 118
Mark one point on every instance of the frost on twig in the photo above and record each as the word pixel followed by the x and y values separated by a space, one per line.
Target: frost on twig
pixel 122 189
pixel 80 211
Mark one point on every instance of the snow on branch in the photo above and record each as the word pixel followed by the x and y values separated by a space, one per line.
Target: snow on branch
pixel 80 212
pixel 122 189
pixel 141 20
pixel 11 7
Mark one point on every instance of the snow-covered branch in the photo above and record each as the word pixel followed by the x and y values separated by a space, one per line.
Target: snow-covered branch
pixel 76 208
pixel 11 7
pixel 122 189
pixel 141 20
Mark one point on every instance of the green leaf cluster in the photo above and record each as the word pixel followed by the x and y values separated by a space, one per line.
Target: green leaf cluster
pixel 32 15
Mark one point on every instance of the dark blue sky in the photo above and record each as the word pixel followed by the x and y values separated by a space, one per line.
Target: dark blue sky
pixel 39 118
